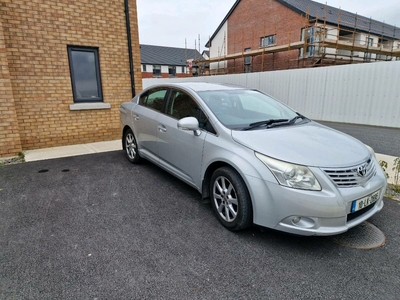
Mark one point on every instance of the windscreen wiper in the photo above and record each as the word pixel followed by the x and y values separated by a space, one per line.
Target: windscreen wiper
pixel 265 123
pixel 299 116
pixel 291 121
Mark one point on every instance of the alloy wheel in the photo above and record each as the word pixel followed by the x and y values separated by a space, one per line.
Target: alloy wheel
pixel 130 146
pixel 225 199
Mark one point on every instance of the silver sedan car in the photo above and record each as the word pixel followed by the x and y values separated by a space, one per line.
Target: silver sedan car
pixel 257 160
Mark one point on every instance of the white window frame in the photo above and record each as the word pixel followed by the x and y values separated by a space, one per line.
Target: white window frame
pixel 268 41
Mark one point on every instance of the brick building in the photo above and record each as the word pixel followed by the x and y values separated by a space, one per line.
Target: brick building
pixel 264 35
pixel 169 62
pixel 65 68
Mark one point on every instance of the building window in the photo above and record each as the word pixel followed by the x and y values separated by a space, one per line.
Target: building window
pixel 247 62
pixel 369 42
pixel 172 71
pixel 398 47
pixel 183 70
pixel 156 70
pixel 85 74
pixel 144 68
pixel 268 40
pixel 247 59
pixel 312 36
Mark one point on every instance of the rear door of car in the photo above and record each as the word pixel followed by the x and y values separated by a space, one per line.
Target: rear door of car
pixel 145 120
pixel 181 151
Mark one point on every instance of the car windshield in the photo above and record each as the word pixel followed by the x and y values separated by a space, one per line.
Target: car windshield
pixel 248 109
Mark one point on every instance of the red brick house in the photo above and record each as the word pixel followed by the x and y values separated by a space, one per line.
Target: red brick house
pixel 260 28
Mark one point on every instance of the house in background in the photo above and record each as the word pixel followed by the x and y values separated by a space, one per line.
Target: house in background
pixel 204 65
pixel 206 54
pixel 65 68
pixel 161 61
pixel 283 34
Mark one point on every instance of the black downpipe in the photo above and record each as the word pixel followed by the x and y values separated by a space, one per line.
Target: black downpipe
pixel 128 32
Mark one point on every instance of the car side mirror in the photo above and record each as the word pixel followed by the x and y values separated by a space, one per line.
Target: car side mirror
pixel 189 123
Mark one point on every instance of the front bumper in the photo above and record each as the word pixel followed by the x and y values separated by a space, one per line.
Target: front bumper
pixel 324 212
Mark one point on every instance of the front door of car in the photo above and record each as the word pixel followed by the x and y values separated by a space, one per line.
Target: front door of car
pixel 145 119
pixel 181 151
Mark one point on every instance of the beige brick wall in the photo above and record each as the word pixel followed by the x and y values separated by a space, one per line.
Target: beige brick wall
pixel 10 143
pixel 36 35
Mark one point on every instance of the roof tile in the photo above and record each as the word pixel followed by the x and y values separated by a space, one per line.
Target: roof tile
pixel 161 55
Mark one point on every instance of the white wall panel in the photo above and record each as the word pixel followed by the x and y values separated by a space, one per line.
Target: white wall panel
pixel 361 94
pixel 219 47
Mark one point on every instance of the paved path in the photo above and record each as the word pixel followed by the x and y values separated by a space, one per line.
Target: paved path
pixel 72 150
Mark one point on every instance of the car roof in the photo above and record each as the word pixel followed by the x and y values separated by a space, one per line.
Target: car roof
pixel 202 86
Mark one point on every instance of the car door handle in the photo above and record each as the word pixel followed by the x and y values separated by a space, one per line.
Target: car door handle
pixel 161 128
pixel 136 117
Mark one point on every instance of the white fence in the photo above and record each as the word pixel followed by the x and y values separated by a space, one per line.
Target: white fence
pixel 361 94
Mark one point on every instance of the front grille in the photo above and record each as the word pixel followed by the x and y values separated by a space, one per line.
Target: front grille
pixel 350 177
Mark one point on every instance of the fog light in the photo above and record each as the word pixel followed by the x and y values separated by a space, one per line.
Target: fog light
pixel 300 222
pixel 296 220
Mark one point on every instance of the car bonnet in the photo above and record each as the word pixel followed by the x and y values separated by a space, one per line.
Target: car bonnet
pixel 308 144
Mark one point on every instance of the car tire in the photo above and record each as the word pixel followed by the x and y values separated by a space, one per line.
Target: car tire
pixel 230 199
pixel 131 148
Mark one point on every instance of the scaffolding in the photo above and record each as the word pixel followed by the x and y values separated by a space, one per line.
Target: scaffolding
pixel 353 39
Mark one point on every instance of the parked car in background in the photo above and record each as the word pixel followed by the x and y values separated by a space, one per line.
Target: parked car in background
pixel 259 161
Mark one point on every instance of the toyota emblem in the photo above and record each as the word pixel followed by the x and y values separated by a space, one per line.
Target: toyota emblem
pixel 362 170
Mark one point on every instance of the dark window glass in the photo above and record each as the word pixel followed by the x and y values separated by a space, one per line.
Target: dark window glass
pixel 156 70
pixel 154 99
pixel 183 69
pixel 172 71
pixel 85 74
pixel 181 105
pixel 144 68
pixel 247 59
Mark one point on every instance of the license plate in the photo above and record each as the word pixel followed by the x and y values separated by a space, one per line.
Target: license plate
pixel 364 202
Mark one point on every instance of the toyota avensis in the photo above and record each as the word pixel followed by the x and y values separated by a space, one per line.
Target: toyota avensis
pixel 258 161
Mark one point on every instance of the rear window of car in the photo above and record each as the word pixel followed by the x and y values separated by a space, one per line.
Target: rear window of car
pixel 154 99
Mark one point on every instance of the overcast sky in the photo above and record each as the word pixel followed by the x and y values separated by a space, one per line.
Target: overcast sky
pixel 170 22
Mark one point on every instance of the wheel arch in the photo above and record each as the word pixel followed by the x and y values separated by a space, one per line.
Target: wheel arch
pixel 205 187
pixel 205 192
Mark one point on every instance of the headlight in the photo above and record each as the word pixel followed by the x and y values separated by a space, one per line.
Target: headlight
pixel 370 150
pixel 291 175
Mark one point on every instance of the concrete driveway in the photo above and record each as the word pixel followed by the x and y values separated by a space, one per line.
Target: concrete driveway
pixel 97 227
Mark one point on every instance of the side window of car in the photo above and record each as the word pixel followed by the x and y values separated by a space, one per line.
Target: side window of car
pixel 181 105
pixel 154 99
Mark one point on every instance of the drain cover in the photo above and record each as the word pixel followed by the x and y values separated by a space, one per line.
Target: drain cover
pixel 364 236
